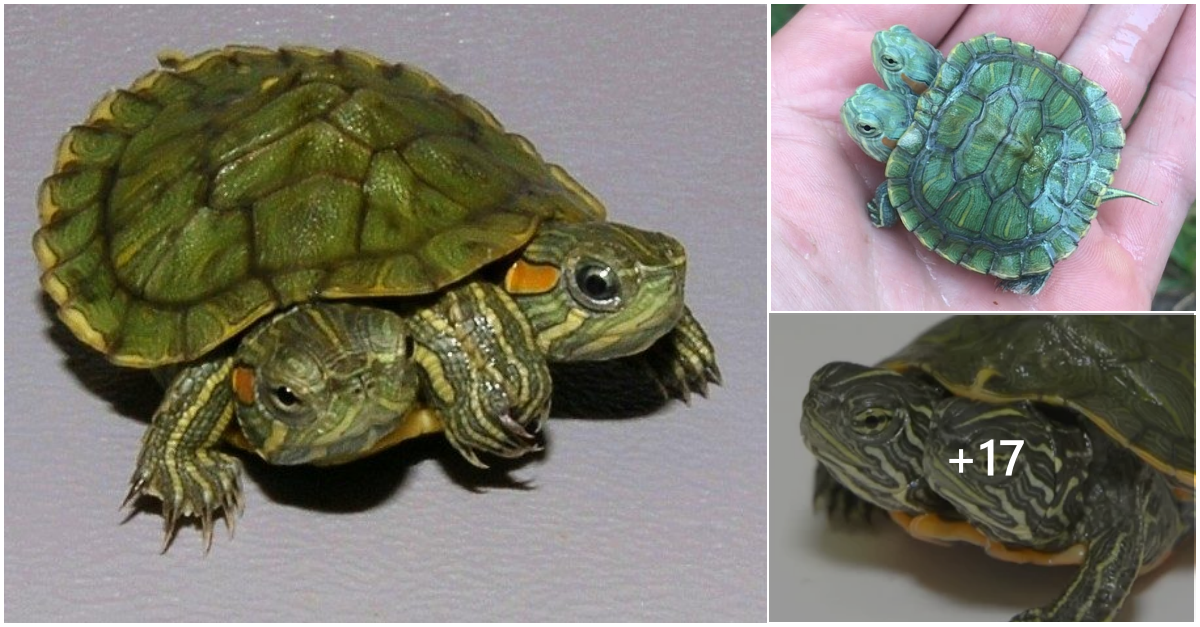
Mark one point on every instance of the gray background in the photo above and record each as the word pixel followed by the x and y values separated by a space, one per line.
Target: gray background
pixel 661 112
pixel 823 570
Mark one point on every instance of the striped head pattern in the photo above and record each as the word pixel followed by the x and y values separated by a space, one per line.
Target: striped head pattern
pixel 598 290
pixel 868 426
pixel 323 382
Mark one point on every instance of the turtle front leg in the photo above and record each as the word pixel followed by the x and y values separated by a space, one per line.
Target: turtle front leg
pixel 483 372
pixel 178 463
pixel 1134 522
pixel 837 500
pixel 683 361
pixel 880 209
pixel 1103 580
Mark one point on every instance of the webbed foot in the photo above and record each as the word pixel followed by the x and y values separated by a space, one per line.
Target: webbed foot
pixel 178 464
pixel 837 501
pixel 200 485
pixel 487 423
pixel 1028 285
pixel 880 209
pixel 683 361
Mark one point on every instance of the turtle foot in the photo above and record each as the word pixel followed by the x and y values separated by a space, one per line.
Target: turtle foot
pixel 880 210
pixel 485 419
pixel 200 486
pixel 500 434
pixel 1029 616
pixel 683 361
pixel 837 501
pixel 1028 285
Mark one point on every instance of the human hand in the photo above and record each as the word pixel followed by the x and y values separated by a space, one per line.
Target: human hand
pixel 827 255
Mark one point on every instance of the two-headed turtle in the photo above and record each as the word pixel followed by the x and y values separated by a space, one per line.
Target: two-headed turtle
pixel 997 157
pixel 330 254
pixel 1105 407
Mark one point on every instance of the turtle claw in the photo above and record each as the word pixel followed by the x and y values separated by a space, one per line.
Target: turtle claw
pixel 502 436
pixel 713 374
pixel 683 361
pixel 200 487
pixel 838 502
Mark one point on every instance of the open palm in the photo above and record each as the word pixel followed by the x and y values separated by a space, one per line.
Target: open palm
pixel 827 255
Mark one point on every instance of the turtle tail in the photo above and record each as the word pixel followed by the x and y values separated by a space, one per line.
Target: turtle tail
pixel 1112 194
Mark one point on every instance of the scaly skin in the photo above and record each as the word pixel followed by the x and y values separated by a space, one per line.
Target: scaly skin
pixel 906 63
pixel 983 152
pixel 326 383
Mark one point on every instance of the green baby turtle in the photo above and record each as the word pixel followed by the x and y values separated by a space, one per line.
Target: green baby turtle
pixel 1105 409
pixel 997 158
pixel 324 254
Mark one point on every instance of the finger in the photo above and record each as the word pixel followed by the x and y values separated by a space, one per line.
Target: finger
pixel 1121 47
pixel 1049 28
pixel 824 53
pixel 1159 158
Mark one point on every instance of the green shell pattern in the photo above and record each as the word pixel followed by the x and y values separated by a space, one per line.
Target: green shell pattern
pixel 235 182
pixel 1008 156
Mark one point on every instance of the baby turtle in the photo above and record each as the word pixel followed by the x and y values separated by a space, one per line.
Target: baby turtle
pixel 1105 479
pixel 996 158
pixel 327 254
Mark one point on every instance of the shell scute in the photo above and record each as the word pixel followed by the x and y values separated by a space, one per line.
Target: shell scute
pixel 230 183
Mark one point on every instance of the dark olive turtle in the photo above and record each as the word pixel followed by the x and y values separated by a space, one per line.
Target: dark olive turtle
pixel 1105 407
pixel 210 217
pixel 996 159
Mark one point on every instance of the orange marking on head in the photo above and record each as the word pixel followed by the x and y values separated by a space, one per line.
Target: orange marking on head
pixel 917 88
pixel 528 278
pixel 890 143
pixel 243 385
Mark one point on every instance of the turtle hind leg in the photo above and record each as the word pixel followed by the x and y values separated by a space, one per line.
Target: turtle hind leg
pixel 178 464
pixel 1026 285
pixel 880 209
pixel 838 501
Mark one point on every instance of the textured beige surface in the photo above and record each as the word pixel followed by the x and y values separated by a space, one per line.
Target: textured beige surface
pixel 660 112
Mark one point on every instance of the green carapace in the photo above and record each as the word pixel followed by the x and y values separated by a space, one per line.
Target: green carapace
pixel 324 254
pixel 1105 477
pixel 997 157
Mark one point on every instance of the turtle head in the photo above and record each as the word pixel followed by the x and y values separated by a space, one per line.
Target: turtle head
pixel 1040 503
pixel 598 290
pixel 868 427
pixel 875 119
pixel 323 382
pixel 906 63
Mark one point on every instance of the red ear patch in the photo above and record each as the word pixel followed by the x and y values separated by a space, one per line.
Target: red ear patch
pixel 243 384
pixel 917 88
pixel 528 278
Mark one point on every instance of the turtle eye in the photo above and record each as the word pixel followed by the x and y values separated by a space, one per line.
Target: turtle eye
pixel 872 421
pixel 596 286
pixel 866 129
pixel 284 398
pixel 890 62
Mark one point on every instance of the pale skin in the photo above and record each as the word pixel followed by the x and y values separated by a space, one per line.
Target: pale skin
pixel 827 255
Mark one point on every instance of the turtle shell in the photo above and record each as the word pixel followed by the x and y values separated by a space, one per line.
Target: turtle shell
pixel 230 184
pixel 1007 158
pixel 1133 376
